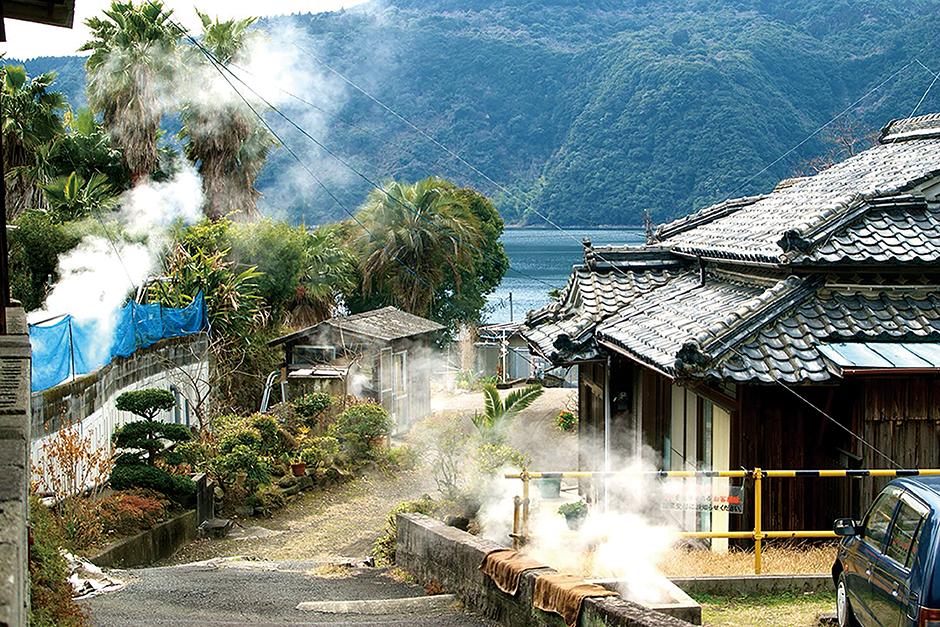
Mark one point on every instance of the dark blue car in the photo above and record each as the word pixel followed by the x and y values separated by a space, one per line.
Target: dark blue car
pixel 887 572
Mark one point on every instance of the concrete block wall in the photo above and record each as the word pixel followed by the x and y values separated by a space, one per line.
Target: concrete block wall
pixel 89 400
pixel 14 471
pixel 432 551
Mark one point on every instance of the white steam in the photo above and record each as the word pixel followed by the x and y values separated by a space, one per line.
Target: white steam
pixel 97 276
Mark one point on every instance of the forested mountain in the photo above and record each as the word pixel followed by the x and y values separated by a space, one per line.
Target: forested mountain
pixel 590 111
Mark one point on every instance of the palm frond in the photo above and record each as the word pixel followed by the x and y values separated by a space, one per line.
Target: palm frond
pixel 517 400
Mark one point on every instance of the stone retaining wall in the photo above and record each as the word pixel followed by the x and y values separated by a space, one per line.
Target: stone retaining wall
pixel 432 551
pixel 14 470
pixel 150 546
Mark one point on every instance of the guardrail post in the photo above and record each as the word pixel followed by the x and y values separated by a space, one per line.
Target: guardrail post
pixel 758 534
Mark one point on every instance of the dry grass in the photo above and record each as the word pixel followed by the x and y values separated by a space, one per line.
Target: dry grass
pixel 782 610
pixel 778 559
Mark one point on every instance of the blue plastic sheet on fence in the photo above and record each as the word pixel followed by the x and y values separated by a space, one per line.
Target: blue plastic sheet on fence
pixel 70 347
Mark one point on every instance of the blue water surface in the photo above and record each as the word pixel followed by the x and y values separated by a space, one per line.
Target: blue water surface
pixel 546 256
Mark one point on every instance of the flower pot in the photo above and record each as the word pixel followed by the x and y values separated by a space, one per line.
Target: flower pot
pixel 298 469
pixel 549 487
pixel 575 521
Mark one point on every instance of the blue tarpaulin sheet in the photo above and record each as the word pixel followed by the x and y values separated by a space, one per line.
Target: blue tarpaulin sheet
pixel 70 347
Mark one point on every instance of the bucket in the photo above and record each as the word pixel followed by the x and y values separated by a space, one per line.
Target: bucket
pixel 549 487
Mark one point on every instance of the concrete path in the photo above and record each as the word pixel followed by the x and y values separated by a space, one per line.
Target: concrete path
pixel 241 592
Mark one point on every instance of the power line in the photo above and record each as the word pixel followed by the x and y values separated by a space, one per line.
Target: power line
pixel 222 68
pixel 215 64
pixel 600 256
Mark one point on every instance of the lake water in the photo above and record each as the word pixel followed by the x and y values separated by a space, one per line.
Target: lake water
pixel 546 256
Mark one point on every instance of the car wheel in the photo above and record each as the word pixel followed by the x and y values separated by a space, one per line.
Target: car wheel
pixel 843 607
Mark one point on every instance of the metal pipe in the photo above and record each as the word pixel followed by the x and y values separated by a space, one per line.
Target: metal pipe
pixel 606 433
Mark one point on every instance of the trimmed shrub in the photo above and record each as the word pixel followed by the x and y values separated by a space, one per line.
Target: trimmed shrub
pixel 267 428
pixel 150 437
pixel 246 437
pixel 360 427
pixel 178 488
pixel 402 457
pixel 127 513
pixel 268 499
pixel 320 452
pixel 146 403
pixel 50 594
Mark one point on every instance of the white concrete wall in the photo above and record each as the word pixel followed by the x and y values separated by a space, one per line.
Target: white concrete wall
pixel 98 418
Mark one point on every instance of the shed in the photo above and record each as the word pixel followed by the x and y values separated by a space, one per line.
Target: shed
pixel 386 355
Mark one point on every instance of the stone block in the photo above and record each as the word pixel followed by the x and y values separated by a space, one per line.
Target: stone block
pixel 12 482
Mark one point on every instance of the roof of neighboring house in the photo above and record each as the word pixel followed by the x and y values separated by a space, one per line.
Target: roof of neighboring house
pixel 51 12
pixel 757 229
pixel 385 324
pixel 755 289
pixel 561 330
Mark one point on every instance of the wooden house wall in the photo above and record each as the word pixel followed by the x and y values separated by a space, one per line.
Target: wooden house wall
pixel 772 429
pixel 900 416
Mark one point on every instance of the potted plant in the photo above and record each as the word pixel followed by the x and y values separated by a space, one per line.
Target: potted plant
pixel 298 467
pixel 574 513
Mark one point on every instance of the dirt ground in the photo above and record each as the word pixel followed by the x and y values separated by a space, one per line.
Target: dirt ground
pixel 344 520
pixel 783 610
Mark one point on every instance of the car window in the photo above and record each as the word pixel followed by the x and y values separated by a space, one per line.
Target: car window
pixel 879 518
pixel 906 531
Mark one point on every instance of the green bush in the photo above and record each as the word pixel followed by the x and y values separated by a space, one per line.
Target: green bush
pixel 360 427
pixel 150 437
pixel 146 403
pixel 312 405
pixel 245 436
pixel 50 594
pixel 320 452
pixel 267 428
pixel 402 457
pixel 566 421
pixel 383 549
pixel 268 498
pixel 176 487
pixel 491 458
pixel 242 460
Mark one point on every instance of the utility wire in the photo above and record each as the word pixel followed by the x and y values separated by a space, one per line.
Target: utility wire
pixel 219 68
pixel 600 256
pixel 222 68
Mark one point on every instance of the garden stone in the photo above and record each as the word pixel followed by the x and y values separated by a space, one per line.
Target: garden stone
pixel 305 482
pixel 286 481
pixel 244 510
pixel 291 489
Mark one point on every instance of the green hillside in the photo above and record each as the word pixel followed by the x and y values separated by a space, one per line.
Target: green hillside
pixel 592 111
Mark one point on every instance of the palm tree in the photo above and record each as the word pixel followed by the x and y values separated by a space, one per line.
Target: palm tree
pixel 131 67
pixel 30 122
pixel 225 140
pixel 498 413
pixel 413 238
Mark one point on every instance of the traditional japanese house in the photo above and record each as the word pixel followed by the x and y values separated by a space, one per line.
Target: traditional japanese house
pixel 794 330
pixel 385 355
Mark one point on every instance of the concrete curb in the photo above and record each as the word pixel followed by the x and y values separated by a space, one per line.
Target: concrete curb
pixel 436 603
pixel 755 585
pixel 152 545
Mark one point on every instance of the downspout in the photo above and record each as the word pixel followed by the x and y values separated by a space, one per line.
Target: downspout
pixel 606 432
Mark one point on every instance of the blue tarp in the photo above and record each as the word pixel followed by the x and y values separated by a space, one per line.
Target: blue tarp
pixel 69 347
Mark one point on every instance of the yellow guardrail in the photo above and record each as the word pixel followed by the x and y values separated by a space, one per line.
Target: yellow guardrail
pixel 520 523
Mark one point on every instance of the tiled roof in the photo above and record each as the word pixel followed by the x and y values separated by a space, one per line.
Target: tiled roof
pixel 386 324
pixel 674 327
pixel 891 230
pixel 787 349
pixel 589 297
pixel 753 229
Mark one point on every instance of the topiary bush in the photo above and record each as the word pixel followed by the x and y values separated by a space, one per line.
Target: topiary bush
pixel 148 439
pixel 178 488
pixel 312 405
pixel 242 460
pixel 267 428
pixel 146 403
